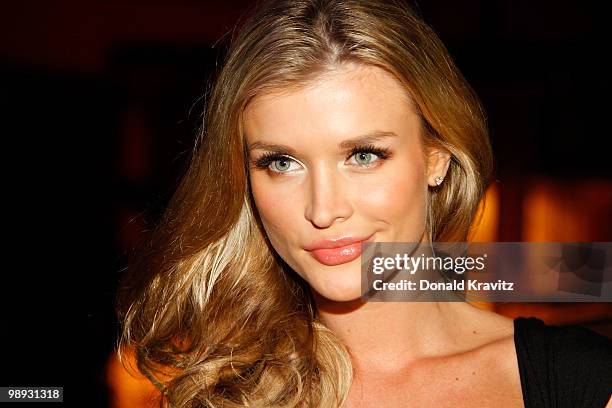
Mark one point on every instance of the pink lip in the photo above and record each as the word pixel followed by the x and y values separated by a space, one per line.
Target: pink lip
pixel 330 251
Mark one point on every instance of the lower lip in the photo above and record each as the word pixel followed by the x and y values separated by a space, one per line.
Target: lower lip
pixel 340 255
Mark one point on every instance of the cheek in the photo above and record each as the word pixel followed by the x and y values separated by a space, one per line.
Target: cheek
pixel 399 200
pixel 264 197
pixel 275 209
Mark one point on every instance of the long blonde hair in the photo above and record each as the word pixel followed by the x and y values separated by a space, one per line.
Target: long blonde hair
pixel 215 316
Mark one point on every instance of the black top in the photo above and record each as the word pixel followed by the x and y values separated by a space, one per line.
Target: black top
pixel 562 366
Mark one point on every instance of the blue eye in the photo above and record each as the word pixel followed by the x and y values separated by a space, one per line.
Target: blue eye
pixel 281 163
pixel 277 163
pixel 367 157
pixel 363 154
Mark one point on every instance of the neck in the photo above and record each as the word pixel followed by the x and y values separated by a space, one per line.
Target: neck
pixel 388 337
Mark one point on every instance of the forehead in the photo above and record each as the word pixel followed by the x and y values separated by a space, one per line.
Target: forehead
pixel 345 101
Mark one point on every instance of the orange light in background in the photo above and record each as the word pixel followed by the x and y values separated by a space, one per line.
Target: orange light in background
pixel 485 227
pixel 486 222
pixel 561 210
pixel 567 211
pixel 128 388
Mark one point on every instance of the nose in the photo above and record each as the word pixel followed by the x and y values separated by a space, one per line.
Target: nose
pixel 328 198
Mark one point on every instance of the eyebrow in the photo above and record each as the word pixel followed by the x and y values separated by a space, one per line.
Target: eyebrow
pixel 344 145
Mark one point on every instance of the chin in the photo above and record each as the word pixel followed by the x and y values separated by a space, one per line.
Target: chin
pixel 341 283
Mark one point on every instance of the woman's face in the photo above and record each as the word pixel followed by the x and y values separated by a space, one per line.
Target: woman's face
pixel 322 180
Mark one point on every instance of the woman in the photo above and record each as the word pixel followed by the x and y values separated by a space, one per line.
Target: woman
pixel 332 123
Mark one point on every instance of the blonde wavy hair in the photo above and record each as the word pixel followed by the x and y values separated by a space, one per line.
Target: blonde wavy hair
pixel 214 315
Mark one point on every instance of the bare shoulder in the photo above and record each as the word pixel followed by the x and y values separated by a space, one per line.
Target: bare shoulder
pixel 481 329
pixel 490 345
pixel 500 351
pixel 483 372
pixel 495 346
pixel 496 361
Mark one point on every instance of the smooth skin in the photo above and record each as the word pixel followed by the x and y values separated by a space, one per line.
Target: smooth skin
pixel 313 185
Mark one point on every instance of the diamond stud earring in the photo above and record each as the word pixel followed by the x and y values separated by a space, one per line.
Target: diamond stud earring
pixel 438 180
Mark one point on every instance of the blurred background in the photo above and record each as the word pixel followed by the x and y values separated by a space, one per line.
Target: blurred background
pixel 100 102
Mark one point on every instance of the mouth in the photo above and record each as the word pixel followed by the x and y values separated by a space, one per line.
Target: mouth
pixel 341 254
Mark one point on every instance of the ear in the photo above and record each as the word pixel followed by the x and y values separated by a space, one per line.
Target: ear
pixel 438 161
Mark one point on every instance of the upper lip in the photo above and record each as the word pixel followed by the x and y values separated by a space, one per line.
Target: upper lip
pixel 328 243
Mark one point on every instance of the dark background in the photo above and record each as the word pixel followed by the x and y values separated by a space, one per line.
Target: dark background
pixel 101 100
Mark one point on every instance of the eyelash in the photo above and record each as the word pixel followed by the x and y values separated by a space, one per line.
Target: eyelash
pixel 268 158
